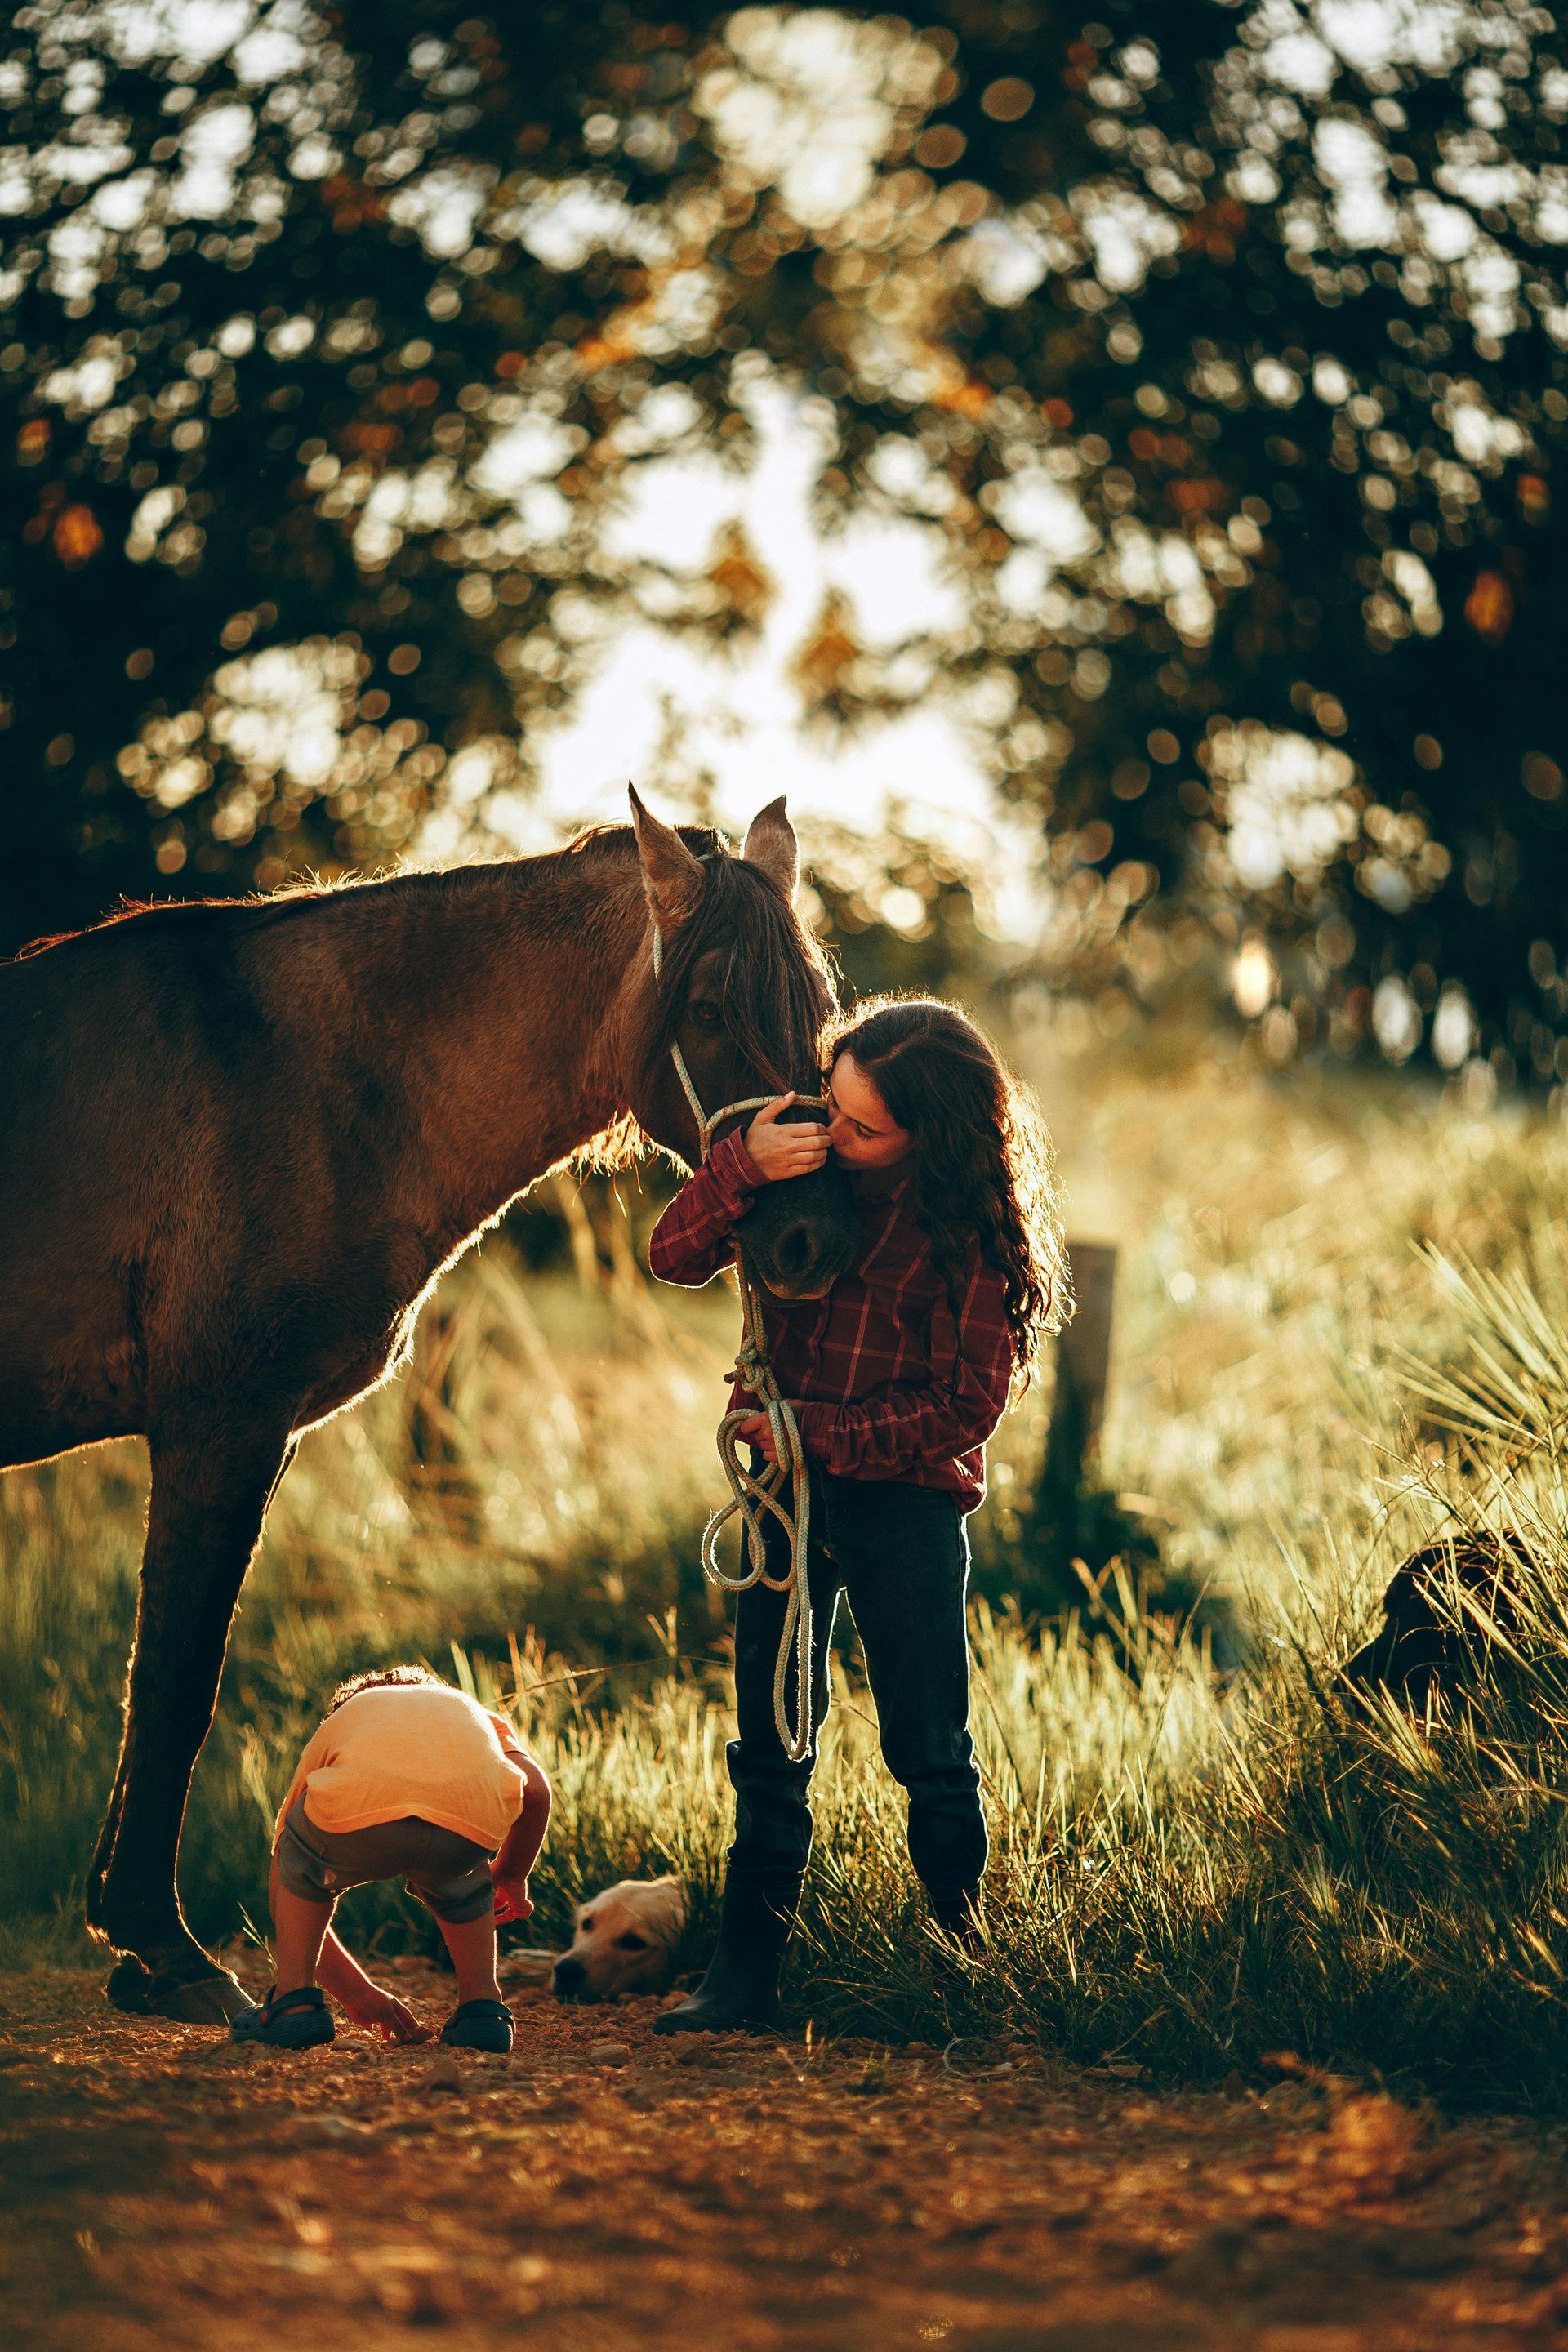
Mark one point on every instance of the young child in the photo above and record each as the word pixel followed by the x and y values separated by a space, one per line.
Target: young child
pixel 406 1778
pixel 897 1377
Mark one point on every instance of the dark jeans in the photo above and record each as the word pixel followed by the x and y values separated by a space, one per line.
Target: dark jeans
pixel 901 1555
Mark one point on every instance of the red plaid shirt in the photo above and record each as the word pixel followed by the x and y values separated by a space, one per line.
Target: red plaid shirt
pixel 887 1382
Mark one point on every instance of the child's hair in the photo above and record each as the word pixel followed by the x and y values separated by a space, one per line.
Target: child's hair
pixel 380 1677
pixel 984 1167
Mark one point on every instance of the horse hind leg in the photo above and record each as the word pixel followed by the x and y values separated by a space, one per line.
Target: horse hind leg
pixel 97 1870
pixel 211 1487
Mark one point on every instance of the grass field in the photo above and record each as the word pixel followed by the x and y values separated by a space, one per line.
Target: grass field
pixel 1197 1858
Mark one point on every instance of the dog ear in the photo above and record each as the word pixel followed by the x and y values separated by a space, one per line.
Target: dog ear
pixel 672 878
pixel 771 846
pixel 676 1906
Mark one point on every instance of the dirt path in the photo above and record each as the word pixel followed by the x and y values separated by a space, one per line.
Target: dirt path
pixel 603 2190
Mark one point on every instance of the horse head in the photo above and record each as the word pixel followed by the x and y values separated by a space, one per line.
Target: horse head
pixel 740 1000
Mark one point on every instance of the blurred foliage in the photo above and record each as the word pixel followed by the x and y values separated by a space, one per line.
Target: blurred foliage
pixel 1220 350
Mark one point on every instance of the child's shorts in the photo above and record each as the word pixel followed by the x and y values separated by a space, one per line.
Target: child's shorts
pixel 448 1874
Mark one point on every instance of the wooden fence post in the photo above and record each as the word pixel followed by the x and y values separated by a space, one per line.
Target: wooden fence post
pixel 1083 1352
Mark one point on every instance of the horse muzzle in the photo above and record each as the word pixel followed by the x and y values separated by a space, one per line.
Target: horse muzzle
pixel 800 1236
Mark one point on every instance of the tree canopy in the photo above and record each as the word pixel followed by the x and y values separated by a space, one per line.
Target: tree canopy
pixel 1219 351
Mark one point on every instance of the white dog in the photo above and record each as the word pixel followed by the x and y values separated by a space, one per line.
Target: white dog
pixel 626 1941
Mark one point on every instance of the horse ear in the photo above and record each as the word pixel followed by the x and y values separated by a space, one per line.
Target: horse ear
pixel 771 845
pixel 671 877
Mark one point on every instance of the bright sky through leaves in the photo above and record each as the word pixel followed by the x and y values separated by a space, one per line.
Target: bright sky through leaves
pixel 1118 452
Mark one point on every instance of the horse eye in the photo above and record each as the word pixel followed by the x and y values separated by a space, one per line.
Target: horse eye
pixel 708 1016
pixel 631 1943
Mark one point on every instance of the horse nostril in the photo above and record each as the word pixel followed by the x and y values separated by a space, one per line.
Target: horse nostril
pixel 795 1252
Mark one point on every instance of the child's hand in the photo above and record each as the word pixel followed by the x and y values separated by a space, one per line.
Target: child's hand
pixel 782 1151
pixel 512 1899
pixel 382 2012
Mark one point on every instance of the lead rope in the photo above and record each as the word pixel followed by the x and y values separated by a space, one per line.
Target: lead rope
pixel 752 1495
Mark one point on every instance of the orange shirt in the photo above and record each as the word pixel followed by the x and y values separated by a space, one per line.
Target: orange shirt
pixel 411 1748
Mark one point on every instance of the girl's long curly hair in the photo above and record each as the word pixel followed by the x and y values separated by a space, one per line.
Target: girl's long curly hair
pixel 984 1167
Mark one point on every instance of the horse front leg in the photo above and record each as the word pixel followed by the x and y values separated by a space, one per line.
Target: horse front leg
pixel 211 1487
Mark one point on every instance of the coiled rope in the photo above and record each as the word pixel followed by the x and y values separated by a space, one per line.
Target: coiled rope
pixel 784 1488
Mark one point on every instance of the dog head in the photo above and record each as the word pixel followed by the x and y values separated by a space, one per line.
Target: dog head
pixel 624 1942
pixel 1442 1609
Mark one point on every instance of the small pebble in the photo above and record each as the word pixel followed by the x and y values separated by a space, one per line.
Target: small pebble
pixel 446 2074
pixel 609 2053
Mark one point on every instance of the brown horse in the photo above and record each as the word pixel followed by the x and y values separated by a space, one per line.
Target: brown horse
pixel 244 1139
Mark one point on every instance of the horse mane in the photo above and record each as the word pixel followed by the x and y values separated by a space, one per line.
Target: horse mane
pixel 775 985
pixel 296 891
pixel 126 911
pixel 616 840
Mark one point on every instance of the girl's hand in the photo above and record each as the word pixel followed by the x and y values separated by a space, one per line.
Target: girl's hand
pixel 780 1152
pixel 382 2012
pixel 758 1432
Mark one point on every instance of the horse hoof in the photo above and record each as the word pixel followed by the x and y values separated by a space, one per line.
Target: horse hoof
pixel 199 2000
pixel 215 2000
pixel 128 1984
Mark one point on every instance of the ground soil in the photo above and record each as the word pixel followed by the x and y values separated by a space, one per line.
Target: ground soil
pixel 603 2188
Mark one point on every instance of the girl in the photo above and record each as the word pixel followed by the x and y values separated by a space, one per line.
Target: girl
pixel 898 1376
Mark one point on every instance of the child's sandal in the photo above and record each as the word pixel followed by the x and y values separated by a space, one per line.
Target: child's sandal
pixel 290 2020
pixel 480 2025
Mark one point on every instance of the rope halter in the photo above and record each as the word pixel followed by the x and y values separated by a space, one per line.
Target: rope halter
pixel 752 1497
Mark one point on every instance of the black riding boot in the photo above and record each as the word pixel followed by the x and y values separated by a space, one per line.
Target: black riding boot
pixel 741 1989
pixel 959 1916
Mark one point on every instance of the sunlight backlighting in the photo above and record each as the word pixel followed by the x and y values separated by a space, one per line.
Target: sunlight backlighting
pixel 714 733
